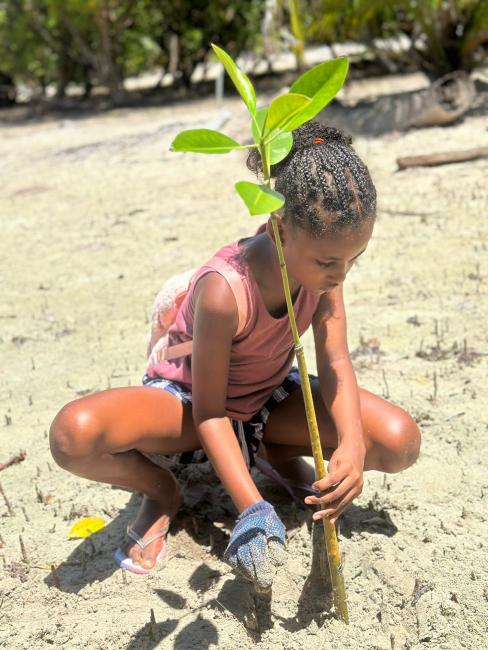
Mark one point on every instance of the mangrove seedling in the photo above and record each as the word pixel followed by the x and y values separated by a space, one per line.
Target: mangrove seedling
pixel 271 129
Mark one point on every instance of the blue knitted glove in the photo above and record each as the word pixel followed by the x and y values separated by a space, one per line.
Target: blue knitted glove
pixel 257 544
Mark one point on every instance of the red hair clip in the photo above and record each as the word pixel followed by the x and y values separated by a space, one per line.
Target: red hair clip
pixel 319 141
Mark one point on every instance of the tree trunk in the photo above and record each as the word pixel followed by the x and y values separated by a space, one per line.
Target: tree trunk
pixel 87 82
pixel 64 64
pixel 174 55
pixel 110 75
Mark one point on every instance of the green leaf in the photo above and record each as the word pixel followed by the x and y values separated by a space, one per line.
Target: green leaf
pixel 311 81
pixel 279 148
pixel 281 112
pixel 259 199
pixel 321 83
pixel 239 79
pixel 258 123
pixel 203 141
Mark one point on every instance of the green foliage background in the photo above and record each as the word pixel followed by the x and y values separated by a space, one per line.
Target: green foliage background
pixel 103 41
pixel 445 35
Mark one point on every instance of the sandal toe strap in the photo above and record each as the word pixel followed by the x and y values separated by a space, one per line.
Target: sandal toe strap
pixel 134 536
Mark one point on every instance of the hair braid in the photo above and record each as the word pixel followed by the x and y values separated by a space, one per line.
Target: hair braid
pixel 324 182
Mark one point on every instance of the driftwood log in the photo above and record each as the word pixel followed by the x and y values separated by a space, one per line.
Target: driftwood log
pixel 447 99
pixel 442 103
pixel 432 159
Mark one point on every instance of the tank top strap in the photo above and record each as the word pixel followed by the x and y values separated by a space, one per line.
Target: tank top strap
pixel 235 281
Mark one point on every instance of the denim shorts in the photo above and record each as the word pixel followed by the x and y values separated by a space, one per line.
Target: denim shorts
pixel 249 434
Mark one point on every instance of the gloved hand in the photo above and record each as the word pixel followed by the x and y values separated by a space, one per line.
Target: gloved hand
pixel 257 544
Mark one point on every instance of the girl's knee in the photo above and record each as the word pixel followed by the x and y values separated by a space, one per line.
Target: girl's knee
pixel 402 444
pixel 73 433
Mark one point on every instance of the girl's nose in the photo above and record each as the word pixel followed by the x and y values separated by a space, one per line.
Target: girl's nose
pixel 340 274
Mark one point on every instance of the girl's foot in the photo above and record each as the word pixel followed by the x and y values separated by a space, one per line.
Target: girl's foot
pixel 294 475
pixel 153 518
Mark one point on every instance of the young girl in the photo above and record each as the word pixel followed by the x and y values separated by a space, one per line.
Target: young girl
pixel 238 393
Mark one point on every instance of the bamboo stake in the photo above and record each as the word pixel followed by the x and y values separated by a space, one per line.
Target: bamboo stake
pixel 331 543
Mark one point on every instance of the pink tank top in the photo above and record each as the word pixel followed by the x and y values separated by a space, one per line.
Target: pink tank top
pixel 261 356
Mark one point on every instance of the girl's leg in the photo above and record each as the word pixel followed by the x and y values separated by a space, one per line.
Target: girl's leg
pixel 100 437
pixel 392 437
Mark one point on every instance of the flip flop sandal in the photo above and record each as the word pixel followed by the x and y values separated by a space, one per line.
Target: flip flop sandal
pixel 292 487
pixel 126 562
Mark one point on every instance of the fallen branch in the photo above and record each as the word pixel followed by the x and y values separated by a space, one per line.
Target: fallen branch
pixel 18 458
pixel 432 159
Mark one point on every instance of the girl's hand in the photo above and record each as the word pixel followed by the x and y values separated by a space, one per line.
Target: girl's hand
pixel 343 483
pixel 257 545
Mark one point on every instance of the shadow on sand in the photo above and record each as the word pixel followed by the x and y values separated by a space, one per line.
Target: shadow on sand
pixel 208 517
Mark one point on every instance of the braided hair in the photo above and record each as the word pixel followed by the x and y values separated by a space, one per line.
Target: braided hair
pixel 324 182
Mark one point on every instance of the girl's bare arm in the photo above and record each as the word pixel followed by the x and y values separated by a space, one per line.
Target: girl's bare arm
pixel 336 375
pixel 215 323
pixel 339 389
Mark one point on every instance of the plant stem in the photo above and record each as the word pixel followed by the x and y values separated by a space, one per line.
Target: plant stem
pixel 332 545
pixel 245 146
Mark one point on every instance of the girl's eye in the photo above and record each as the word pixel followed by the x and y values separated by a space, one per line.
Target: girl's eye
pixel 325 265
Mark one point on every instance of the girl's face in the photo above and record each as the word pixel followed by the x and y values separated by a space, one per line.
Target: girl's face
pixel 319 265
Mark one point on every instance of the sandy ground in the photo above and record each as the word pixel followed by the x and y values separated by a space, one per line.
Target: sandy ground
pixel 96 213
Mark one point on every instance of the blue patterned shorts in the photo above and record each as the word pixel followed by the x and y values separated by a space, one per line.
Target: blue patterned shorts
pixel 249 434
